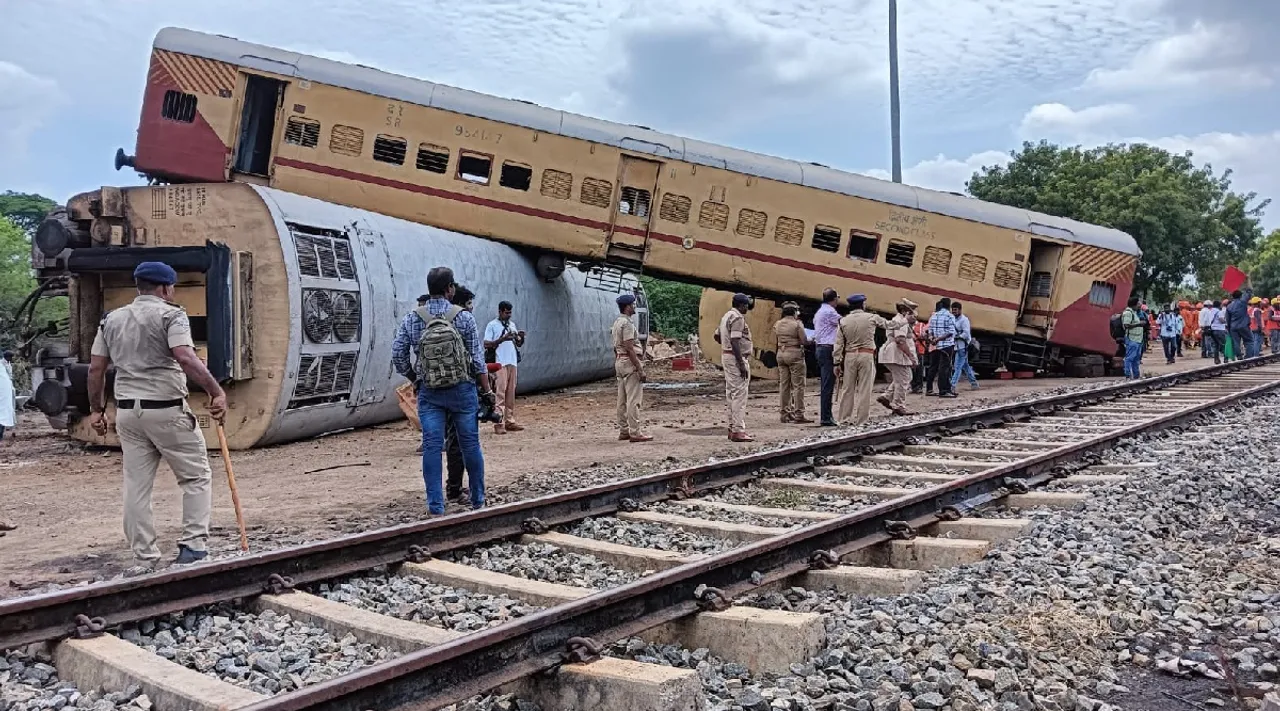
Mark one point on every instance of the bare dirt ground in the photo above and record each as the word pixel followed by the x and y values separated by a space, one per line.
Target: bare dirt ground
pixel 64 498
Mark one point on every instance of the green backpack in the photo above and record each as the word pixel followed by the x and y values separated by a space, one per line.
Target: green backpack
pixel 443 358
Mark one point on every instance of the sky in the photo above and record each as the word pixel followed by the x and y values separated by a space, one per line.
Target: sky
pixel 803 79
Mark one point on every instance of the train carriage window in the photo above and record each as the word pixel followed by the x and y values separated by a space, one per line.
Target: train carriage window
pixel 390 149
pixel 751 223
pixel 789 230
pixel 178 106
pixel 557 184
pixel 303 132
pixel 675 208
pixel 433 158
pixel 346 140
pixel 713 216
pixel 474 167
pixel 1041 285
pixel 936 260
pixel 634 201
pixel 1102 294
pixel 516 176
pixel 863 245
pixel 826 238
pixel 1008 275
pixel 973 267
pixel 900 253
pixel 596 192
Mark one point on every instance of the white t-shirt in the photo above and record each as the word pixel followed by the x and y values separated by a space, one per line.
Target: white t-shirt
pixel 506 352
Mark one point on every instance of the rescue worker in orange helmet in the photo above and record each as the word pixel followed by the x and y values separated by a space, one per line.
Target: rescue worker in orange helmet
pixel 1273 321
pixel 1255 326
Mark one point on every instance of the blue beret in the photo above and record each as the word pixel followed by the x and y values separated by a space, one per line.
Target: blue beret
pixel 626 300
pixel 855 298
pixel 156 273
pixel 741 299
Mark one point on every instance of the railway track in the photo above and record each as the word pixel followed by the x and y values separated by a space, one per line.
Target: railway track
pixel 892 484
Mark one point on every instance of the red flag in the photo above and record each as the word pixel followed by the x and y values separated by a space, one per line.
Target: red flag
pixel 1233 279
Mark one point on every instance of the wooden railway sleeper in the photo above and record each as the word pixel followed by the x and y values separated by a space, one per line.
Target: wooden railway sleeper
pixel 88 627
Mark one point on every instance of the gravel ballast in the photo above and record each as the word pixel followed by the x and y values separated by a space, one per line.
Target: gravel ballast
pixel 418 600
pixel 268 653
pixel 649 535
pixel 543 562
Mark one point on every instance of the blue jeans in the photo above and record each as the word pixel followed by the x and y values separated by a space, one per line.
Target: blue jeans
pixel 827 380
pixel 1170 347
pixel 459 405
pixel 1275 341
pixel 1132 358
pixel 962 367
pixel 1256 350
pixel 1215 343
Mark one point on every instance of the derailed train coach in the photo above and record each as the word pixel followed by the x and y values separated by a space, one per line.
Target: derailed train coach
pixel 294 303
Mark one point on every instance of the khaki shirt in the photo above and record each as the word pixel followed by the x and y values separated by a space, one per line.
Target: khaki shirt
pixel 621 332
pixel 734 325
pixel 138 339
pixel 890 353
pixel 790 334
pixel 857 331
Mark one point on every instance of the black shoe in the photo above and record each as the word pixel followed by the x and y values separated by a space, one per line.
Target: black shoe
pixel 461 496
pixel 187 556
pixel 947 395
pixel 929 392
pixel 828 424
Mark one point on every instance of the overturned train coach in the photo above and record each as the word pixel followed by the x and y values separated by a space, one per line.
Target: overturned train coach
pixel 294 302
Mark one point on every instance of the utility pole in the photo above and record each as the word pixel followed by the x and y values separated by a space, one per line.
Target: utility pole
pixel 895 117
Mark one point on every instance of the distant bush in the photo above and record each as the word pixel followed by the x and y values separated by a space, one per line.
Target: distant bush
pixel 673 307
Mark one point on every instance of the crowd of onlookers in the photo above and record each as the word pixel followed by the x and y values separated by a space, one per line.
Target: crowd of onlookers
pixel 1239 326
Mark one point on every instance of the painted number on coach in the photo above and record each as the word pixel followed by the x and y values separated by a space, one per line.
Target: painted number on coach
pixel 477 133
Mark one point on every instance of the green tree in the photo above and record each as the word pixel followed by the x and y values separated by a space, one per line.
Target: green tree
pixel 673 307
pixel 26 210
pixel 1263 265
pixel 1185 218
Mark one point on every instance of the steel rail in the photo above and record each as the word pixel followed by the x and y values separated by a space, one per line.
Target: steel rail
pixel 454 671
pixel 53 615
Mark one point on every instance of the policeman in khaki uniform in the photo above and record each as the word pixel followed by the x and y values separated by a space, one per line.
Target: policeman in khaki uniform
pixel 149 341
pixel 855 357
pixel 734 338
pixel 789 332
pixel 630 374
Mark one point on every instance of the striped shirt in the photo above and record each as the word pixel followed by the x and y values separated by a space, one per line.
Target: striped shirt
pixel 410 332
pixel 942 329
pixel 825 323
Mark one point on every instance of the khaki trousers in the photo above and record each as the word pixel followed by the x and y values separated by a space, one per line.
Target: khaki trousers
pixel 171 434
pixel 899 385
pixel 630 395
pixel 505 392
pixel 791 388
pixel 855 397
pixel 735 392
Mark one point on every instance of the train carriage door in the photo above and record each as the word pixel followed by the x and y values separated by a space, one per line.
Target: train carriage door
pixel 378 296
pixel 628 237
pixel 1038 304
pixel 259 112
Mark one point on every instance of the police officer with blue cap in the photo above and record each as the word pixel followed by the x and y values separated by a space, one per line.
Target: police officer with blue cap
pixel 149 342
pixel 629 372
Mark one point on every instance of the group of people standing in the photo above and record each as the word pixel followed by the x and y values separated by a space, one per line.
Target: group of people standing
pixel 1236 327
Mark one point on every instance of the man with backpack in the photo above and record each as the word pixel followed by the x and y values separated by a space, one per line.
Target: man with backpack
pixel 1135 330
pixel 448 370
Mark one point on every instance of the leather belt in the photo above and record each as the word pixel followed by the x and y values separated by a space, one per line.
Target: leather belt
pixel 148 404
pixel 864 350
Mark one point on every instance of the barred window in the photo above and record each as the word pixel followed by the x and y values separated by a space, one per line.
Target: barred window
pixel 826 238
pixel 789 230
pixel 900 253
pixel 390 149
pixel 557 184
pixel 346 140
pixel 714 216
pixel 516 176
pixel 973 267
pixel 1041 284
pixel 675 208
pixel 634 201
pixel 433 158
pixel 303 132
pixel 936 260
pixel 751 223
pixel 1102 294
pixel 1008 275
pixel 596 192
pixel 177 106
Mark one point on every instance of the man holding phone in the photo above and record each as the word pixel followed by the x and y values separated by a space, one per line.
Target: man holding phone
pixel 502 344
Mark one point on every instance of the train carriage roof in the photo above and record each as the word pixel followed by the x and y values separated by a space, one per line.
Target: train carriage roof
pixel 632 138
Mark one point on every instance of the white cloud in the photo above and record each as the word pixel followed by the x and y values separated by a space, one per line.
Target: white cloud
pixel 26 101
pixel 1206 57
pixel 943 173
pixel 1250 156
pixel 1056 121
